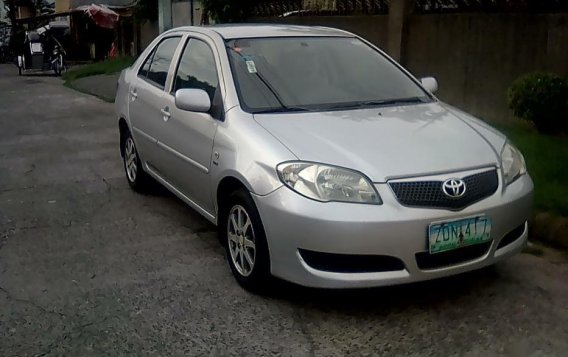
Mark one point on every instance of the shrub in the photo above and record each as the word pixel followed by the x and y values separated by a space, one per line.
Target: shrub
pixel 541 98
pixel 108 66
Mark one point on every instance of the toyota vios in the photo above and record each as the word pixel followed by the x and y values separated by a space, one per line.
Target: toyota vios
pixel 321 160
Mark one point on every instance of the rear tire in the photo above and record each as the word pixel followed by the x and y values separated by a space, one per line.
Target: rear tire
pixel 137 178
pixel 242 232
pixel 60 66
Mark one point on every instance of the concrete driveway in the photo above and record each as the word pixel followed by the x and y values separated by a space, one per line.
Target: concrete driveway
pixel 88 267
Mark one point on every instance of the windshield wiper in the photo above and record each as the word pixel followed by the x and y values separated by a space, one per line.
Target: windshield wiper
pixel 384 102
pixel 282 109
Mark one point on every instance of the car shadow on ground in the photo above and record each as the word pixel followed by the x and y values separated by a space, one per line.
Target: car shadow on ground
pixel 428 293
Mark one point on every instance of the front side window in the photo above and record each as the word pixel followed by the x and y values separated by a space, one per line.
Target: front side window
pixel 158 63
pixel 316 73
pixel 197 68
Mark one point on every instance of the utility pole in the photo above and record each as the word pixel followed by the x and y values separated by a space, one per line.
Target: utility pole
pixel 164 15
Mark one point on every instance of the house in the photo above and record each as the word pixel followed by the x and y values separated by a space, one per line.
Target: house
pixel 3 12
pixel 178 13
pixel 92 34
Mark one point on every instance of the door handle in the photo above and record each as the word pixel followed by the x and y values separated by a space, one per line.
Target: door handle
pixel 133 94
pixel 165 113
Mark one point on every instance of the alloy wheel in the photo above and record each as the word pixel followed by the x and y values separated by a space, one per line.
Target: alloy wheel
pixel 241 240
pixel 130 159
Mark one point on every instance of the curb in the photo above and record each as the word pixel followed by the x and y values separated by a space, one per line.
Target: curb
pixel 551 229
pixel 70 84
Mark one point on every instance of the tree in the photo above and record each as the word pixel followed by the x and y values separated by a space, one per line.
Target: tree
pixel 37 7
pixel 222 11
pixel 41 7
pixel 11 8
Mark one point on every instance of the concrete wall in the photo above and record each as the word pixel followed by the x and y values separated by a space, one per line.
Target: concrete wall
pixel 181 13
pixel 374 27
pixel 148 32
pixel 62 5
pixel 475 57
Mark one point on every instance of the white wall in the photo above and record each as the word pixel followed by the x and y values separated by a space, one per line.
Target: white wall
pixel 3 13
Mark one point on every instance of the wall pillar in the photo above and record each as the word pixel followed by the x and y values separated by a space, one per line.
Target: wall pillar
pixel 399 12
pixel 164 15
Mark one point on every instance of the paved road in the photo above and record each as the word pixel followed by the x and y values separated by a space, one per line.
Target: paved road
pixel 87 267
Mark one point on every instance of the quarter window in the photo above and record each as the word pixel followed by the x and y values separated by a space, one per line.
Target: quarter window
pixel 197 68
pixel 143 72
pixel 158 63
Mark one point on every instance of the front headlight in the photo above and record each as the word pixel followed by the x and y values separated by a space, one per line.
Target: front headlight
pixel 326 183
pixel 512 163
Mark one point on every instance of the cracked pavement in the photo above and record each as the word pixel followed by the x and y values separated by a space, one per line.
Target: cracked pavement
pixel 90 268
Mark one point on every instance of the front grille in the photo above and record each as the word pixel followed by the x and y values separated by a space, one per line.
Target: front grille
pixel 512 236
pixel 430 194
pixel 351 263
pixel 426 261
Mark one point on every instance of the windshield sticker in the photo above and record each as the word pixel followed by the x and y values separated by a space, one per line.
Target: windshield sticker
pixel 251 66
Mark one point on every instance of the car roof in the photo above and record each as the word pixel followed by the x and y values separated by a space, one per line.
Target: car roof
pixel 266 30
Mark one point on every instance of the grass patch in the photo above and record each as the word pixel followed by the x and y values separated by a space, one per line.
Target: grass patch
pixel 110 66
pixel 547 162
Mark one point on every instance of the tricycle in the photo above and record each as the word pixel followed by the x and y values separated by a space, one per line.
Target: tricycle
pixel 41 52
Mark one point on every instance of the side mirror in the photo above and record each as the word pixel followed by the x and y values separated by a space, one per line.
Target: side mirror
pixel 193 100
pixel 430 83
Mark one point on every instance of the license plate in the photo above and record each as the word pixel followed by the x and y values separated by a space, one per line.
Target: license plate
pixel 444 236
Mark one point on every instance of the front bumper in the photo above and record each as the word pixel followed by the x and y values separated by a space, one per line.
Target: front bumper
pixel 293 223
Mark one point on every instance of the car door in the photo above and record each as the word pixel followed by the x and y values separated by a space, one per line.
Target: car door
pixel 147 100
pixel 189 136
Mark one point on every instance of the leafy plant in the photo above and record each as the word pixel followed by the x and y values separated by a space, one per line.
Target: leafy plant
pixel 541 98
pixel 108 66
pixel 223 11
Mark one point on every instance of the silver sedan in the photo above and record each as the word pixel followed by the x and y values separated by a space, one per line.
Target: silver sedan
pixel 321 160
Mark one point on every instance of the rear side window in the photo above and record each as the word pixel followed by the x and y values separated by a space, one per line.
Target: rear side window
pixel 197 68
pixel 156 66
pixel 143 72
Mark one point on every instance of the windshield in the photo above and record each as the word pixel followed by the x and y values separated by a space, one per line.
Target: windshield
pixel 316 74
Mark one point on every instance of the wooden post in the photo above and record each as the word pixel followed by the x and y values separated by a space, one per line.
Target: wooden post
pixel 191 9
pixel 399 11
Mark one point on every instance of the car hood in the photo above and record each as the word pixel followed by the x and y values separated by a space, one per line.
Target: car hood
pixel 386 143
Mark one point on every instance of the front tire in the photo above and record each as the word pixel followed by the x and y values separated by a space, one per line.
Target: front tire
pixel 245 242
pixel 137 178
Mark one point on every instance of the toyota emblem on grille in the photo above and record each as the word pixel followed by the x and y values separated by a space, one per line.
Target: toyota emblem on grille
pixel 454 188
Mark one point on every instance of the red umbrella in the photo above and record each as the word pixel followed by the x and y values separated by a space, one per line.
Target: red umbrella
pixel 101 15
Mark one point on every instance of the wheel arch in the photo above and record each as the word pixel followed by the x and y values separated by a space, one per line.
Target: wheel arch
pixel 226 186
pixel 123 130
